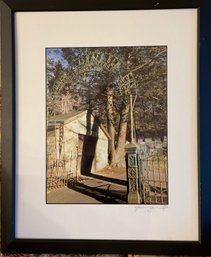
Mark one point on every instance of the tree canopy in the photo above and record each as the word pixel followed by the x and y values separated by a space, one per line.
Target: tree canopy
pixel 101 79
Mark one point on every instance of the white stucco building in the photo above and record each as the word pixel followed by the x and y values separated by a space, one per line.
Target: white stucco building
pixel 77 143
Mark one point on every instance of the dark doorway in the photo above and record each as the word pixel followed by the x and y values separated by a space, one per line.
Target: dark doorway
pixel 87 148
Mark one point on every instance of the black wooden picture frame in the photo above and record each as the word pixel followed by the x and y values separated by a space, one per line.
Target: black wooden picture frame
pixel 12 244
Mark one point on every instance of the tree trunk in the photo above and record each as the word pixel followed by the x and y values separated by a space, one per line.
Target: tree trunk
pixel 118 159
pixel 110 119
pixel 122 134
pixel 116 146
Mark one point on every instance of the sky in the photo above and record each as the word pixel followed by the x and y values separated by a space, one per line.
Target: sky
pixel 56 55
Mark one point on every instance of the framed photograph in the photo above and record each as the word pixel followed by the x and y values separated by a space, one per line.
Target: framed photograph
pixel 104 141
pixel 89 120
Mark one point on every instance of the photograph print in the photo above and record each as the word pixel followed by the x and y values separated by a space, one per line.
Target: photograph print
pixel 106 127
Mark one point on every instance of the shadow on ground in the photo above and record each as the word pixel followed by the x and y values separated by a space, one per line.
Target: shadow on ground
pixel 109 179
pixel 105 193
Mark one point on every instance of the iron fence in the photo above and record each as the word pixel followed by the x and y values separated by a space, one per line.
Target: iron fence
pixel 154 179
pixel 58 174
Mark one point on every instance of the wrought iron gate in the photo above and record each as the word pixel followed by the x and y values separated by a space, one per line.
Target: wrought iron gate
pixel 147 171
pixel 59 170
pixel 154 179
pixel 57 175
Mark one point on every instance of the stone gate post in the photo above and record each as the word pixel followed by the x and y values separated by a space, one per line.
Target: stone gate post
pixel 132 164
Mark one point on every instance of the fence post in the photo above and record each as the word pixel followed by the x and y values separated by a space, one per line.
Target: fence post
pixel 132 166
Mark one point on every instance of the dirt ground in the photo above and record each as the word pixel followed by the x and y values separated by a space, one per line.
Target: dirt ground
pixel 107 186
pixel 118 173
